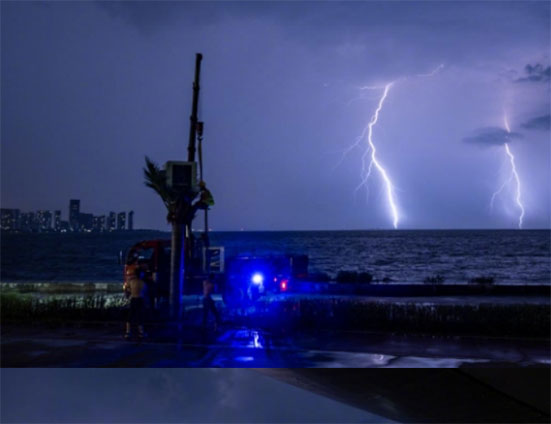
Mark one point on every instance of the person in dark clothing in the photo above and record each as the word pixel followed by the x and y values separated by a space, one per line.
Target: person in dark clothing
pixel 135 288
pixel 208 302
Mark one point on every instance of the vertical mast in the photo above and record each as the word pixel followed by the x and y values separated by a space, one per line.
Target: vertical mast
pixel 193 117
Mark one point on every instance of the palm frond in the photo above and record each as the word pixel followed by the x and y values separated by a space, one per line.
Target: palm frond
pixel 156 180
pixel 178 203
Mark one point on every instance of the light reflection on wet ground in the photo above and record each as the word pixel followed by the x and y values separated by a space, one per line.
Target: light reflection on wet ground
pixel 245 347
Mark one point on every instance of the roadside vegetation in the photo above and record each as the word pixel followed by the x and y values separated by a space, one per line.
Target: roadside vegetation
pixel 23 307
pixel 328 313
pixel 503 320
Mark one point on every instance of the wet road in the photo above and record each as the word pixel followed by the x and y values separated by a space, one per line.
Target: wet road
pixel 241 342
pixel 103 346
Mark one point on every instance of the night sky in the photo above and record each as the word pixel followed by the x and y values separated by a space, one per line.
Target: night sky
pixel 90 88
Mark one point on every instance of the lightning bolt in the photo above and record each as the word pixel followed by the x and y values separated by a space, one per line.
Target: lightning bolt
pixel 512 177
pixel 433 72
pixel 369 156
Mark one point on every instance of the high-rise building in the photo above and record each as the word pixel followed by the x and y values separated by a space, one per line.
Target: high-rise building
pixel 99 224
pixel 44 221
pixel 111 222
pixel 130 220
pixel 25 221
pixel 121 221
pixel 10 219
pixel 86 222
pixel 64 227
pixel 74 214
pixel 57 221
pixel 33 222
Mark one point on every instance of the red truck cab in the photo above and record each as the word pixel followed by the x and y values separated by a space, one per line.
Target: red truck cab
pixel 153 258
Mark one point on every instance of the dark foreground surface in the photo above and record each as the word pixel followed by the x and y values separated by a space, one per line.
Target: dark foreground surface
pixel 294 331
pixel 471 395
pixel 102 345
pixel 471 378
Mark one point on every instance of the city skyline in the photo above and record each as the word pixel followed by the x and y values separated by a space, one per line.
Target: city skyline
pixel 42 220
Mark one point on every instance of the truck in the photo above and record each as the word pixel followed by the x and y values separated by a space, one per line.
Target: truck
pixel 240 279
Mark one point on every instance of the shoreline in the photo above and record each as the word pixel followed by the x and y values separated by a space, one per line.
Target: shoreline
pixel 391 289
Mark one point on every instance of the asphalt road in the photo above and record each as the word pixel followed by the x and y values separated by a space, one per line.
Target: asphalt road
pixel 102 345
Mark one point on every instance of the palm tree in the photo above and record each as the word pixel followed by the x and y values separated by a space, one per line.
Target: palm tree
pixel 178 205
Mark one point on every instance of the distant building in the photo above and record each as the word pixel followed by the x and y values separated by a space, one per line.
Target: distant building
pixel 130 220
pixel 86 222
pixel 99 224
pixel 33 222
pixel 121 221
pixel 25 221
pixel 44 221
pixel 10 219
pixel 48 221
pixel 111 222
pixel 74 214
pixel 57 221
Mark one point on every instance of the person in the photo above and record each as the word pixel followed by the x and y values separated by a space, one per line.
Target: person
pixel 135 288
pixel 205 196
pixel 205 199
pixel 208 302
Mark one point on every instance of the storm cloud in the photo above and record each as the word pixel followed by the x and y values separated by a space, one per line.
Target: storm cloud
pixel 542 123
pixel 492 136
pixel 536 73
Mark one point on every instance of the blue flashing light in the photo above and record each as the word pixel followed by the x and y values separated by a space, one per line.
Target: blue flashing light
pixel 257 278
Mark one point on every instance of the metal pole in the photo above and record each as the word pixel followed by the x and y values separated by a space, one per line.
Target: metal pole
pixel 206 228
pixel 200 127
pixel 188 236
pixel 193 117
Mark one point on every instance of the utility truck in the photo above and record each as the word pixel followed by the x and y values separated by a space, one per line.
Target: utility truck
pixel 241 279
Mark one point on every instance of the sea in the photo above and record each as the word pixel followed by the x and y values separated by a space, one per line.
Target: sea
pixel 403 256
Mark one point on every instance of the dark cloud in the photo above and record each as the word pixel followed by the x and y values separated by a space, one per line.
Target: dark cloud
pixel 148 17
pixel 539 123
pixel 536 73
pixel 492 136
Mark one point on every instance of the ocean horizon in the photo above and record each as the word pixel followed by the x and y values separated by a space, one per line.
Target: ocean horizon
pixel 394 256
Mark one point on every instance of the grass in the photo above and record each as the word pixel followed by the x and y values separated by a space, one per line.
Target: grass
pixel 66 287
pixel 505 320
pixel 21 307
pixel 521 320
